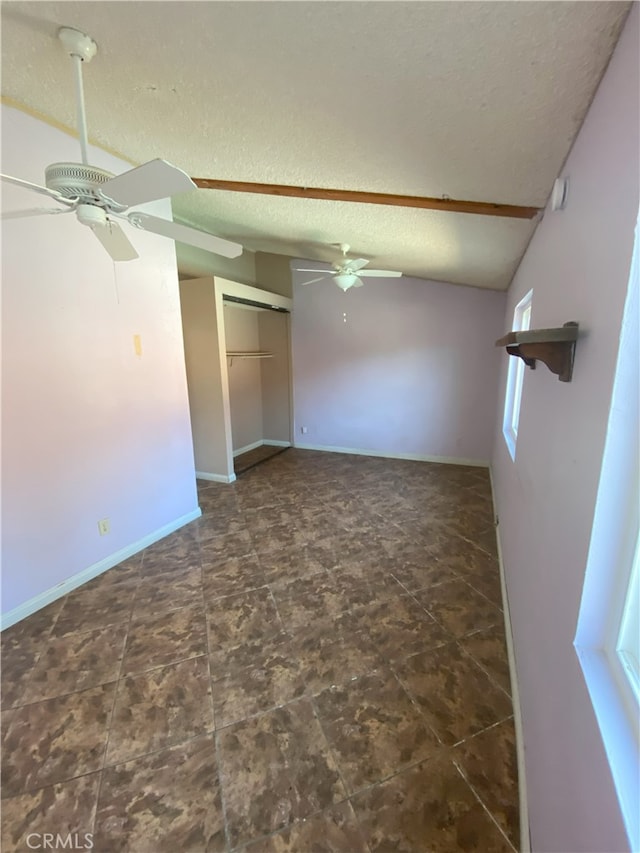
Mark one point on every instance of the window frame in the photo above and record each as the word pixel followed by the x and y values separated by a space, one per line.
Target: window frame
pixel 515 378
pixel 609 602
pixel 629 634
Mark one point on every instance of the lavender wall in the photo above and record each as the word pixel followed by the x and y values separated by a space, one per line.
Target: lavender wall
pixel 89 429
pixel 412 368
pixel 578 266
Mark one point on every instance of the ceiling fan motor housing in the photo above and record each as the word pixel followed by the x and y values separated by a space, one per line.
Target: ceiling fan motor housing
pixel 75 180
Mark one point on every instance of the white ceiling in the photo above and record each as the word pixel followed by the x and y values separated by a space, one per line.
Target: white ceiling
pixel 473 100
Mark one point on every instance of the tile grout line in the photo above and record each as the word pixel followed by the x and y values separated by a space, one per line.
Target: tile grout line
pixel 167 746
pixel 415 703
pixel 489 675
pixel 346 787
pixel 487 810
pixel 115 696
pixel 216 740
pixel 46 638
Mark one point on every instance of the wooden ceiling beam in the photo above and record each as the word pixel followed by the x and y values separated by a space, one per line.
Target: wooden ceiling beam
pixel 481 208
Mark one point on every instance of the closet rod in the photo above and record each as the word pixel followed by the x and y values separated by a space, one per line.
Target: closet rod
pixel 246 354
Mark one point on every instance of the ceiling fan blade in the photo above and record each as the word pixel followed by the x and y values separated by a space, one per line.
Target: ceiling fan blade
pixel 149 182
pixel 483 208
pixel 36 188
pixel 34 211
pixel 304 269
pixel 313 280
pixel 115 241
pixel 381 273
pixel 356 264
pixel 185 234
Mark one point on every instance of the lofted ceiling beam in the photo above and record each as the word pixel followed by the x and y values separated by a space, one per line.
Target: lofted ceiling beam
pixel 481 208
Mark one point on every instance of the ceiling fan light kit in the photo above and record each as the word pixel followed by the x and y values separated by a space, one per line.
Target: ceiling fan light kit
pixel 99 198
pixel 346 280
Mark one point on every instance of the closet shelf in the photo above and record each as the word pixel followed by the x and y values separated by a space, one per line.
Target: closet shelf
pixel 554 347
pixel 246 354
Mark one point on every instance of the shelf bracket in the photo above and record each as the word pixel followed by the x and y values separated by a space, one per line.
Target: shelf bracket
pixel 515 350
pixel 554 347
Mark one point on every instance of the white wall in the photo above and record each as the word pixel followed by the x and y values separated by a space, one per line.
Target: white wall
pixel 411 369
pixel 90 430
pixel 273 273
pixel 204 343
pixel 578 266
pixel 196 263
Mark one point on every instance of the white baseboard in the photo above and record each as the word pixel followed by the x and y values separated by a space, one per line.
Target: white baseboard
pixel 68 585
pixel 215 478
pixel 273 443
pixel 447 460
pixel 525 831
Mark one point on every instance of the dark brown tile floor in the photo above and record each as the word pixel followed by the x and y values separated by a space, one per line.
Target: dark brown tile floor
pixel 317 664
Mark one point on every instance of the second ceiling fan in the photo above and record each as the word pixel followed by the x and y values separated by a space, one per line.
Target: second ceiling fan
pixel 348 273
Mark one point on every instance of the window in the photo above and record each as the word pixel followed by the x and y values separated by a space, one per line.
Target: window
pixel 607 639
pixel 515 378
pixel 628 645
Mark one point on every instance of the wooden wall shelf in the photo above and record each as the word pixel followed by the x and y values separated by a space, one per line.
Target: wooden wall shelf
pixel 554 347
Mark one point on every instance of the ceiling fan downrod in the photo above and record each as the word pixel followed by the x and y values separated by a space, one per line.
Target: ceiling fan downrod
pixel 81 48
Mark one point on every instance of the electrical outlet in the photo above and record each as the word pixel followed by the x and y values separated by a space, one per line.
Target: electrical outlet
pixel 137 345
pixel 104 526
pixel 303 430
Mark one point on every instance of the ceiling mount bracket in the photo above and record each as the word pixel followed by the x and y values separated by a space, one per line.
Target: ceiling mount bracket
pixel 77 43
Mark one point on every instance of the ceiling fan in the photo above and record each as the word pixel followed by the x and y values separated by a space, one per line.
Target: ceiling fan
pixel 348 272
pixel 99 198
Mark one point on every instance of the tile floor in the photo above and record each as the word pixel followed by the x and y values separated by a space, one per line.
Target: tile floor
pixel 317 664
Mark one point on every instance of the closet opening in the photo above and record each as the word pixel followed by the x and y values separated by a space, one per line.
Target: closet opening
pixel 257 350
pixel 237 342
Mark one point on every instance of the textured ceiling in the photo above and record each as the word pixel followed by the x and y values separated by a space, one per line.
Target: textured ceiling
pixel 473 100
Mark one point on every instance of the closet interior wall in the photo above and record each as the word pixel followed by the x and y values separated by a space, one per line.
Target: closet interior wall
pixel 258 387
pixel 275 373
pixel 245 377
